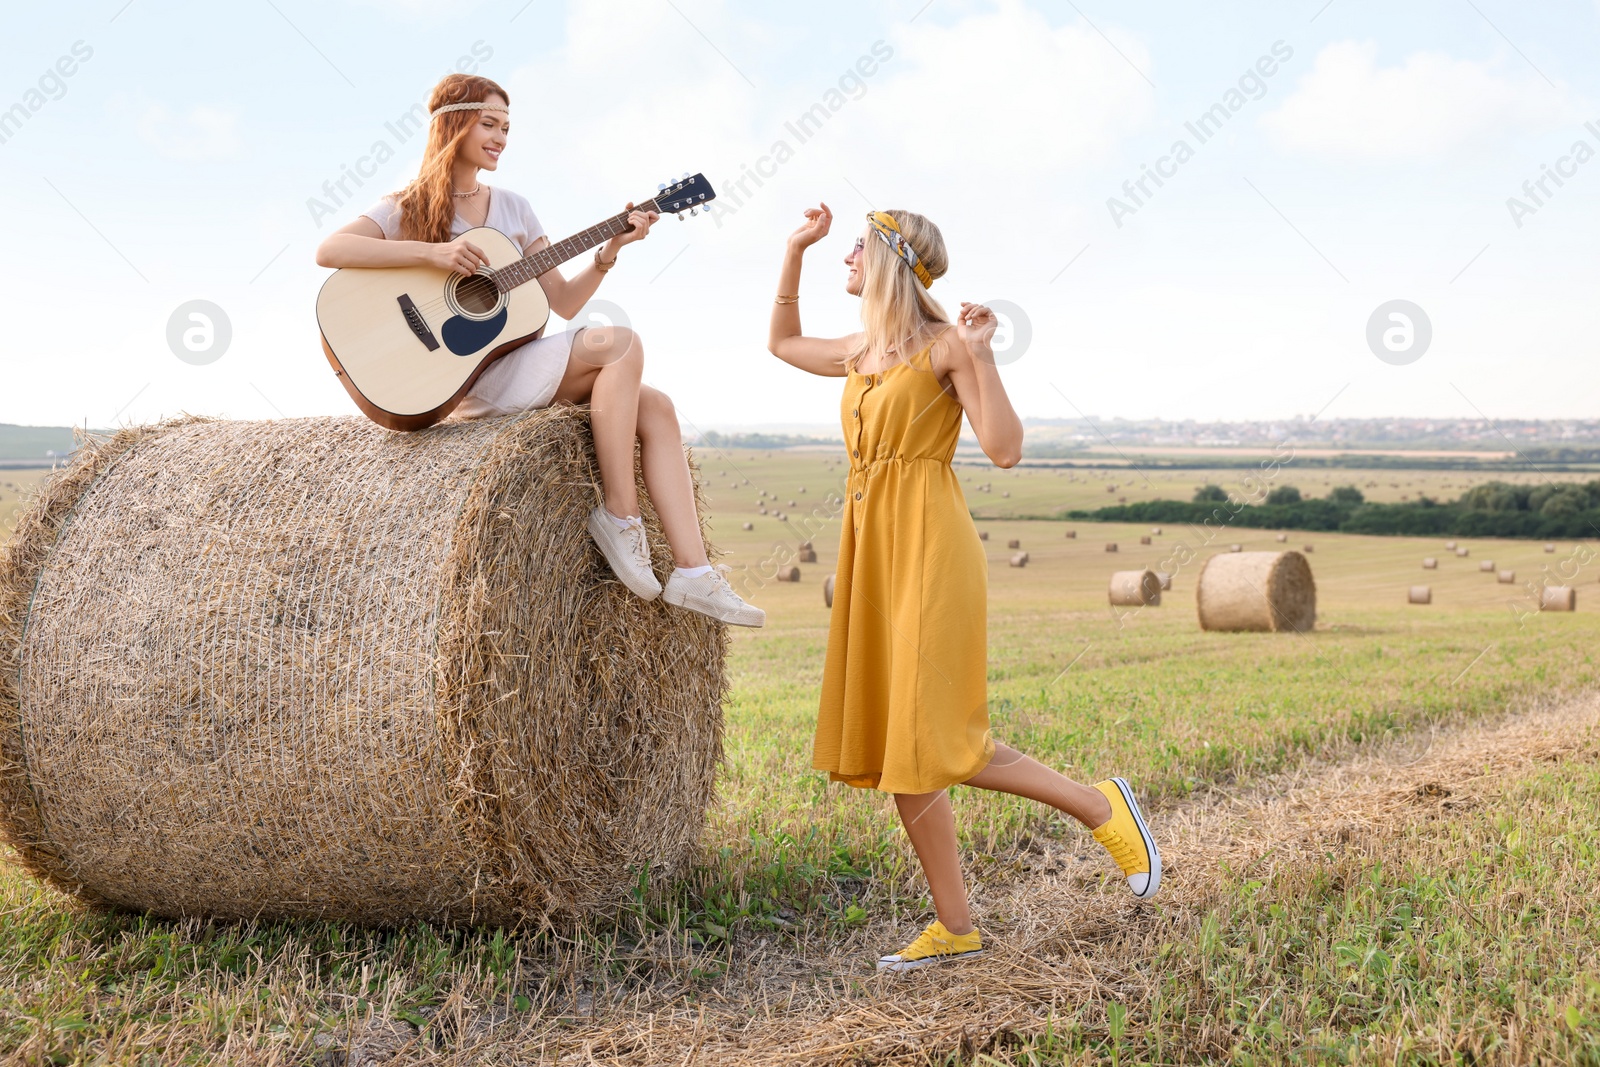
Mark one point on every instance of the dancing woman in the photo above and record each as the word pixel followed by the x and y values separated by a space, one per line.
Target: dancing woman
pixel 904 707
pixel 469 128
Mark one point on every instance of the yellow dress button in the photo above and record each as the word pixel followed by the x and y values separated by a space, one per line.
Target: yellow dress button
pixel 855 453
pixel 858 496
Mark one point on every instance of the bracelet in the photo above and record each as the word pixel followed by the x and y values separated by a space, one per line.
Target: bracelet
pixel 603 267
pixel 785 299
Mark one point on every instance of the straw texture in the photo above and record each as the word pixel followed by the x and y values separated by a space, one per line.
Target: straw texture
pixel 1139 588
pixel 310 667
pixel 1261 591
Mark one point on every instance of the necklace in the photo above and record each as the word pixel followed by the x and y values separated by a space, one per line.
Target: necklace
pixel 476 190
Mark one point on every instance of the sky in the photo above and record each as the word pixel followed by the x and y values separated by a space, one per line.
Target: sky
pixel 1182 210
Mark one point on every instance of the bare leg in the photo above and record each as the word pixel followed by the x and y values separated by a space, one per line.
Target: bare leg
pixel 932 827
pixel 1012 772
pixel 604 370
pixel 666 476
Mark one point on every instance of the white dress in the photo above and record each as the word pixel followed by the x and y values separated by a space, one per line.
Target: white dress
pixel 527 376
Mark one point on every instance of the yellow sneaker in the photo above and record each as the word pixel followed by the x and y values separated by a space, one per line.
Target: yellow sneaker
pixel 934 945
pixel 1128 839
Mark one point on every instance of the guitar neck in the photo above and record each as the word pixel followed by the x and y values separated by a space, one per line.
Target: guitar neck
pixel 530 267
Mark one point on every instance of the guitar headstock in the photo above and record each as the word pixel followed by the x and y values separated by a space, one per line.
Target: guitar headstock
pixel 686 194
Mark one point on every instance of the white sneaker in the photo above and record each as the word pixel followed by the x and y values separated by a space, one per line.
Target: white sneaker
pixel 626 551
pixel 710 594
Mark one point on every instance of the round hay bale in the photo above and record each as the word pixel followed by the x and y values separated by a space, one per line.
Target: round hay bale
pixel 1420 594
pixel 1308 548
pixel 1450 546
pixel 1282 538
pixel 314 668
pixel 1111 546
pixel 790 573
pixel 827 591
pixel 1165 579
pixel 983 535
pixel 1463 551
pixel 791 503
pixel 749 526
pixel 1019 560
pixel 1236 548
pixel 806 546
pixel 1548 547
pixel 806 555
pixel 1072 535
pixel 1005 492
pixel 1259 591
pixel 1558 598
pixel 1429 563
pixel 1506 577
pixel 1013 543
pixel 1156 530
pixel 1486 565
pixel 1145 540
pixel 1135 588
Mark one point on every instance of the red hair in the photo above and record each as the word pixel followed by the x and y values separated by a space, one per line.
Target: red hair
pixel 427 209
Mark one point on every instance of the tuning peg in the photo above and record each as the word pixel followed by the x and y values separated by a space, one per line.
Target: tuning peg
pixel 685 174
pixel 680 216
pixel 691 211
pixel 661 188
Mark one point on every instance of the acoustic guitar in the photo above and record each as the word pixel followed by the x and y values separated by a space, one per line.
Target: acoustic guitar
pixel 408 342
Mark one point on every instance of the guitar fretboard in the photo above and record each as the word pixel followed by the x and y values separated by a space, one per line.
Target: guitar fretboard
pixel 530 267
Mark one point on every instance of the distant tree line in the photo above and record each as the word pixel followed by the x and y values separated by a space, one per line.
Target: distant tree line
pixel 1493 509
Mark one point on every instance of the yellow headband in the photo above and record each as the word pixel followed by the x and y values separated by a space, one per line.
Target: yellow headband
pixel 889 230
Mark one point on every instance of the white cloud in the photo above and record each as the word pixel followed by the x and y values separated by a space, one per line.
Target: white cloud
pixel 1430 105
pixel 204 134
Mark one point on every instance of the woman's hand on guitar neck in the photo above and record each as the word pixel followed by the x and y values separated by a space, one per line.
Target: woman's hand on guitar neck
pixel 460 255
pixel 640 220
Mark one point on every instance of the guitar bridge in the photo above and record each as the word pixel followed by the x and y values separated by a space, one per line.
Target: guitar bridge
pixel 418 325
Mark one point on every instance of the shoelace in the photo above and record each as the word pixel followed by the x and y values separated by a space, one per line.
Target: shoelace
pixel 636 544
pixel 927 943
pixel 1121 851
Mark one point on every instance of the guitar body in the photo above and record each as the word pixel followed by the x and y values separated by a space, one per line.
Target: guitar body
pixel 408 342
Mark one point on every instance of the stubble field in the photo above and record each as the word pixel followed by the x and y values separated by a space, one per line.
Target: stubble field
pixel 1380 839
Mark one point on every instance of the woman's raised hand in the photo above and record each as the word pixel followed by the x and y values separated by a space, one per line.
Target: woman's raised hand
pixel 460 255
pixel 814 229
pixel 975 326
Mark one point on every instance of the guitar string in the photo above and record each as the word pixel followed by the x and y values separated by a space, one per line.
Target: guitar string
pixel 438 305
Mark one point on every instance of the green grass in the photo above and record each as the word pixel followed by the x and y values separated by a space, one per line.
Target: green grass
pixel 1281 974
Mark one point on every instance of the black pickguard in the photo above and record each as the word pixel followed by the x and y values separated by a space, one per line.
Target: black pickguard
pixel 464 336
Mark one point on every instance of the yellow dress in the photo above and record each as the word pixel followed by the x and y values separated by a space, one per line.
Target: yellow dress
pixel 904 705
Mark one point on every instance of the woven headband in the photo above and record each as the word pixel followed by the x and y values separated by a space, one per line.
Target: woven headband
pixel 889 230
pixel 480 105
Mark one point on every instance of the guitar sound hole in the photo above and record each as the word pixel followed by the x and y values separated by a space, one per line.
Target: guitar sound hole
pixel 477 295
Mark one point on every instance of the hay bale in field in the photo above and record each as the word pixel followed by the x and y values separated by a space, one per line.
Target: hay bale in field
pixel 1486 565
pixel 1308 548
pixel 1135 588
pixel 1019 560
pixel 311 667
pixel 1420 594
pixel 806 555
pixel 1111 546
pixel 1165 579
pixel 1071 535
pixel 983 535
pixel 1156 530
pixel 1450 546
pixel 1463 551
pixel 1260 591
pixel 1429 563
pixel 827 591
pixel 1549 547
pixel 790 573
pixel 1145 540
pixel 1282 538
pixel 1235 548
pixel 1005 492
pixel 1013 543
pixel 1506 577
pixel 1558 598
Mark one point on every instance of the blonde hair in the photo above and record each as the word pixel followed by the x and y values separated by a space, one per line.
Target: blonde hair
pixel 896 310
pixel 426 207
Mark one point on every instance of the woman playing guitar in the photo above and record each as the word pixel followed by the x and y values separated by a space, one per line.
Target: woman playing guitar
pixel 469 126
